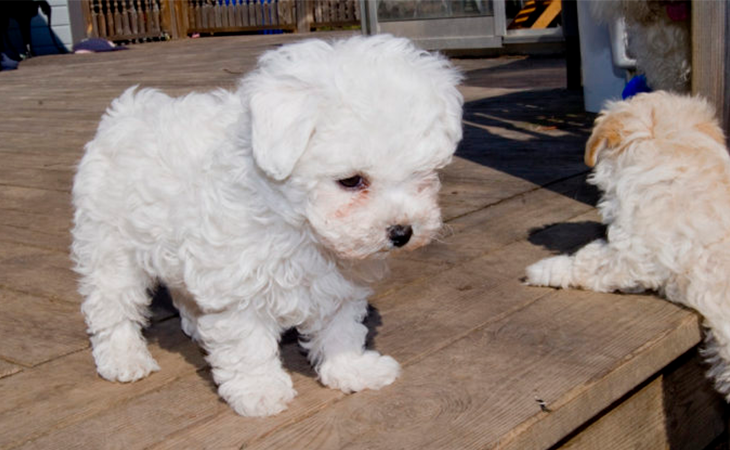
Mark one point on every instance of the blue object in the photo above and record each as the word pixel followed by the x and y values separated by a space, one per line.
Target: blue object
pixel 97 45
pixel 7 63
pixel 636 85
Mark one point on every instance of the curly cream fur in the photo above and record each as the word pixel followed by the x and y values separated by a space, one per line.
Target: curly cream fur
pixel 662 165
pixel 232 200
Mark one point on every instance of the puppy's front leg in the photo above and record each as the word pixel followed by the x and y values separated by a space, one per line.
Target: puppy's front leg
pixel 599 266
pixel 337 348
pixel 243 351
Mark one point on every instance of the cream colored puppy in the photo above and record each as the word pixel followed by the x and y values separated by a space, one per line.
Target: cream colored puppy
pixel 662 165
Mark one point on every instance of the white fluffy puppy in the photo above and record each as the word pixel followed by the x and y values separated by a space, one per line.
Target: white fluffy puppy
pixel 662 165
pixel 263 209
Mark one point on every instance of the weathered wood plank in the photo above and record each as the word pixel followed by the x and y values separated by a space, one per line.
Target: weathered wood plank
pixel 54 180
pixel 67 390
pixel 470 404
pixel 32 238
pixel 7 368
pixel 678 409
pixel 695 413
pixel 36 201
pixel 638 422
pixel 190 402
pixel 483 388
pixel 36 271
pixel 35 330
pixel 17 156
pixel 40 223
pixel 476 292
pixel 137 423
pixel 488 229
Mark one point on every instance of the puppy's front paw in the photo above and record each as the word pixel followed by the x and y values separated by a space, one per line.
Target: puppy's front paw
pixel 553 272
pixel 130 366
pixel 121 355
pixel 351 372
pixel 258 396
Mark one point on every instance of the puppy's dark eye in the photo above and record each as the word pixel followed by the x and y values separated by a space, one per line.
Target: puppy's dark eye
pixel 356 182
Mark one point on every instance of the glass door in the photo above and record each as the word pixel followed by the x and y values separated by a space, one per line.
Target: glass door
pixel 438 24
pixel 465 24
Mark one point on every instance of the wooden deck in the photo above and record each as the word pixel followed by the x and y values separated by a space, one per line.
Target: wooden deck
pixel 488 362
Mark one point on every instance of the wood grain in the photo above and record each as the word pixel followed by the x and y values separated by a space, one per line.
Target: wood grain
pixel 482 390
pixel 36 271
pixel 34 330
pixel 637 423
pixel 8 368
pixel 68 390
pixel 37 221
pixel 677 409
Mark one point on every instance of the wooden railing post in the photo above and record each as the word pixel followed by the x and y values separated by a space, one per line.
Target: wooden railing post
pixel 181 11
pixel 89 19
pixel 169 24
pixel 711 55
pixel 304 17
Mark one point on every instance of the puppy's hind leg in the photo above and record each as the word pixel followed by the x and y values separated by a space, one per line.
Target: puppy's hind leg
pixel 599 266
pixel 115 306
pixel 337 349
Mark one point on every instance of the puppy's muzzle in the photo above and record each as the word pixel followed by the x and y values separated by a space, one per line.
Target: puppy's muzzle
pixel 399 235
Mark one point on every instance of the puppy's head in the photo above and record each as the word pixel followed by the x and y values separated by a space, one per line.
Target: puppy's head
pixel 359 127
pixel 658 116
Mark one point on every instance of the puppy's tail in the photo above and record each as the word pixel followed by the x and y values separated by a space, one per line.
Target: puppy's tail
pixel 715 355
pixel 708 293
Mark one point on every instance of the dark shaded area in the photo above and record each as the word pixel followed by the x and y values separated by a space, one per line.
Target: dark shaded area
pixel 534 72
pixel 566 237
pixel 162 307
pixel 542 142
pixel 293 356
pixel 578 189
pixel 373 321
pixel 572 44
pixel 163 310
pixel 539 134
pixel 22 13
pixel 693 409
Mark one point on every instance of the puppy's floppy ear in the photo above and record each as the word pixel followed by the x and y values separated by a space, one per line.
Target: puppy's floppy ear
pixel 282 121
pixel 607 133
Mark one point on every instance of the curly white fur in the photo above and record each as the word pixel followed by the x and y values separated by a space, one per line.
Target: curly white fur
pixel 232 200
pixel 662 165
pixel 659 43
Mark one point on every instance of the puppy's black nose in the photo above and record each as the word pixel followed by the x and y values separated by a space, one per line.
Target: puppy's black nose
pixel 399 235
